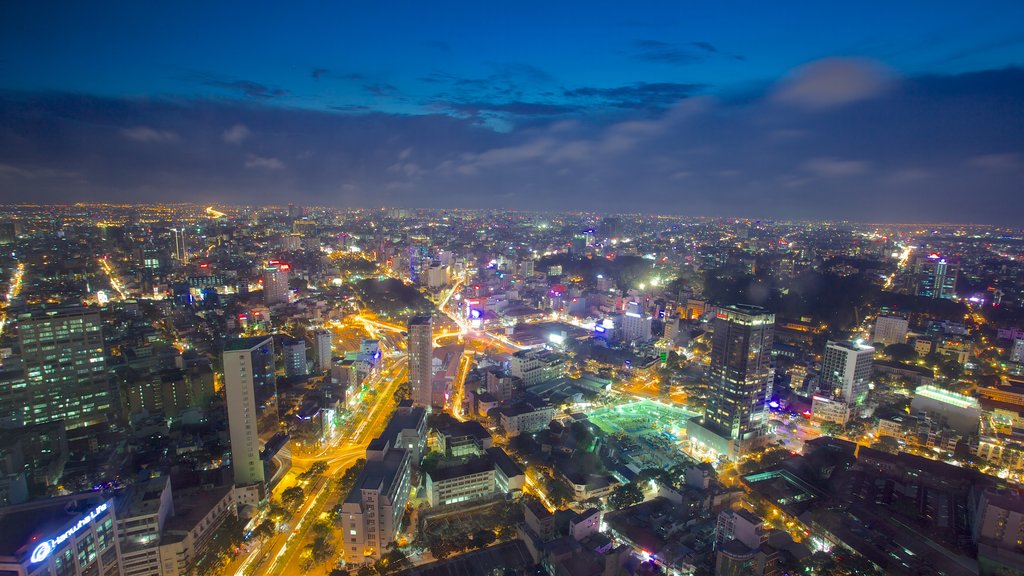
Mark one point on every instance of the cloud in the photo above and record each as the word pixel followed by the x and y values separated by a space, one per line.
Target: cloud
pixel 639 95
pixel 514 108
pixel 1003 161
pixel 711 48
pixel 380 89
pixel 834 167
pixel 663 53
pixel 833 82
pixel 318 73
pixel 910 152
pixel 264 163
pixel 147 134
pixel 244 87
pixel 236 134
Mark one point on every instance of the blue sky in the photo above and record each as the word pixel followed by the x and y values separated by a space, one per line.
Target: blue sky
pixel 730 108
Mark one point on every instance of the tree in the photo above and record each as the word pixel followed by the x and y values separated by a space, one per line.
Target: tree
pixel 483 538
pixel 403 392
pixel 292 497
pixel 625 496
pixel 441 548
pixel 393 561
pixel 322 549
pixel 831 429
pixel 901 352
pixel 660 474
pixel 430 462
pixel 950 369
pixel 266 529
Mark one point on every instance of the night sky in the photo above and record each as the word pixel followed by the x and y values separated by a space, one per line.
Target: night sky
pixel 876 111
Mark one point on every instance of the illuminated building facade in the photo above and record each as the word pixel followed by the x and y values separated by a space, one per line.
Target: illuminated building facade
pixel 66 536
pixel 275 283
pixel 421 354
pixel 740 379
pixel 936 277
pixel 846 371
pixel 65 369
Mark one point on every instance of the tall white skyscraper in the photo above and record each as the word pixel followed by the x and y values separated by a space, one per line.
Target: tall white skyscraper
pixel 890 330
pixel 846 370
pixel 322 350
pixel 275 283
pixel 421 354
pixel 636 324
pixel 250 390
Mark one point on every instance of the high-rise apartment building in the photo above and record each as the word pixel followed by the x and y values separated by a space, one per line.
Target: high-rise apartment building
pixel 636 323
pixel 372 511
pixel 421 353
pixel 890 330
pixel 1017 352
pixel 250 390
pixel 294 354
pixel 936 277
pixel 65 374
pixel 846 370
pixel 322 351
pixel 275 283
pixel 740 380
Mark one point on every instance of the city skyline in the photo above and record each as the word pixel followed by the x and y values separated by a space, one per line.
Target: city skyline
pixel 808 113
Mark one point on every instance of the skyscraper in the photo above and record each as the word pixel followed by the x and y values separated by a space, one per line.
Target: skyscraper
pixel 636 324
pixel 322 350
pixel 294 353
pixel 739 381
pixel 250 390
pixel 421 353
pixel 275 283
pixel 890 330
pixel 846 370
pixel 65 368
pixel 936 277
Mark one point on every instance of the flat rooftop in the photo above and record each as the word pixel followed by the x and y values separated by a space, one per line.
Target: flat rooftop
pixel 248 343
pixel 28 523
pixel 376 475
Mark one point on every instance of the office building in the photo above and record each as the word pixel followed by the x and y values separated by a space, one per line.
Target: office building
pixel 65 368
pixel 250 390
pixel 740 380
pixel 65 536
pixel 997 531
pixel 322 350
pixel 936 277
pixel 372 510
pixel 636 324
pixel 741 544
pixel 526 417
pixel 846 371
pixel 275 283
pixel 421 354
pixel 890 330
pixel 948 409
pixel 294 355
pixel 470 480
pixel 536 366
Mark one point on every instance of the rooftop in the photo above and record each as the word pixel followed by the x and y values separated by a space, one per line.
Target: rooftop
pixel 376 475
pixel 26 524
pixel 248 343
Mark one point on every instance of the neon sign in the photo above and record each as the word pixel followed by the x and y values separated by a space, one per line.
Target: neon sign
pixel 46 547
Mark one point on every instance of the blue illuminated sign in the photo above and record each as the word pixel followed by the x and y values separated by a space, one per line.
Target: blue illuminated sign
pixel 46 547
